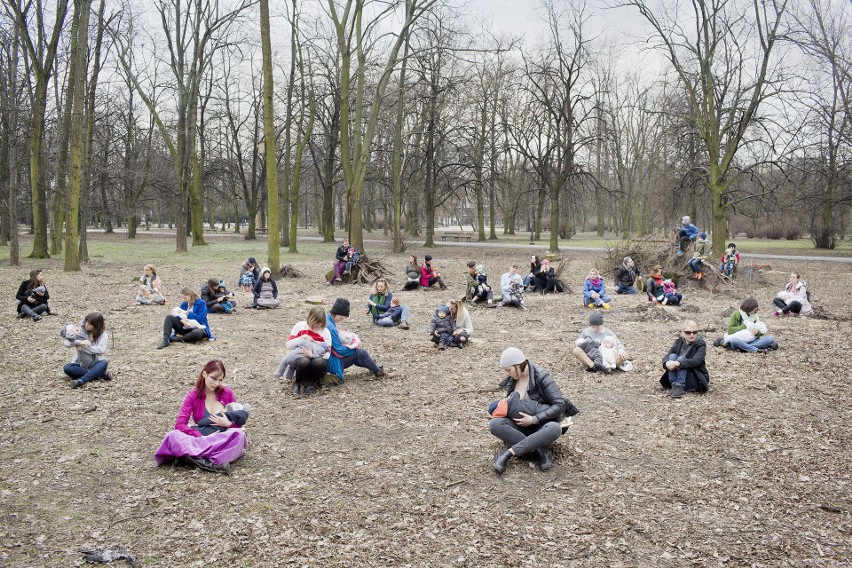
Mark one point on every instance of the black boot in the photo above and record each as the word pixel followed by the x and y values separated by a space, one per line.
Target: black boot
pixel 501 459
pixel 207 465
pixel 545 459
pixel 165 342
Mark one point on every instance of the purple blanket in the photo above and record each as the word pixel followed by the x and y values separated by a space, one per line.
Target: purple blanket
pixel 221 447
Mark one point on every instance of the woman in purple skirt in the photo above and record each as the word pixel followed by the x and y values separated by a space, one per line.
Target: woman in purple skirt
pixel 205 402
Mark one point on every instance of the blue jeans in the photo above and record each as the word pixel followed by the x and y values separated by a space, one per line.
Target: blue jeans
pixel 529 281
pixel 599 301
pixel 678 376
pixel 75 371
pixel 629 289
pixel 389 322
pixel 695 265
pixel 674 299
pixel 759 343
pixel 360 359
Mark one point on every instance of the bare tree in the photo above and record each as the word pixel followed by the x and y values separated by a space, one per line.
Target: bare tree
pixel 358 117
pixel 726 80
pixel 824 32
pixel 40 57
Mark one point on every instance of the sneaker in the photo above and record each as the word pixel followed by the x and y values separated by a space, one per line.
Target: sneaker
pixel 776 313
pixel 403 324
pixel 627 366
pixel 665 301
pixel 36 317
pixel 309 390
pixel 381 373
pixel 680 253
pixel 772 346
pixel 719 342
pixel 77 383
pixel 107 376
pixel 605 306
pixel 296 387
pixel 591 370
pixel 441 347
pixel 677 391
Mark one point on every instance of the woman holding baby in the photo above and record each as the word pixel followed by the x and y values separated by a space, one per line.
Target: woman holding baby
pixel 308 351
pixel 346 348
pixel 32 296
pixel 214 438
pixel 188 322
pixel 89 341
pixel 525 433
pixel 745 330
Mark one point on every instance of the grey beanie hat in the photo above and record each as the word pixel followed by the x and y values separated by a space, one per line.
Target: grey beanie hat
pixel 340 307
pixel 596 318
pixel 510 357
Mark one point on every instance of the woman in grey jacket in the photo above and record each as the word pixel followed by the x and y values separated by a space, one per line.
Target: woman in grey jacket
pixel 528 433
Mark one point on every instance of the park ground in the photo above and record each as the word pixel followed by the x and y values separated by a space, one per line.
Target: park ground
pixel 397 472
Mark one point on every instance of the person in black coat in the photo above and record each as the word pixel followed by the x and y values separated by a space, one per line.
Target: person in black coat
pixel 684 363
pixel 32 296
pixel 529 433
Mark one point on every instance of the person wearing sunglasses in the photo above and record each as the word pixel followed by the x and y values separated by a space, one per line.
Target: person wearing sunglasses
pixel 684 365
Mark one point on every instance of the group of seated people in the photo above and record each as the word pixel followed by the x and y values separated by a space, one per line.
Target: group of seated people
pixel 208 430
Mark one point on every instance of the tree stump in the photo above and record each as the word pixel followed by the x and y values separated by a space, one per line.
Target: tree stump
pixel 366 271
pixel 287 271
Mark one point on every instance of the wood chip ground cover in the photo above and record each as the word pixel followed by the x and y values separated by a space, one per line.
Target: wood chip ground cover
pixel 398 472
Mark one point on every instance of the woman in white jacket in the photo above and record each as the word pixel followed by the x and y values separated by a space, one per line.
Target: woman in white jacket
pixel 463 325
pixel 96 346
pixel 793 299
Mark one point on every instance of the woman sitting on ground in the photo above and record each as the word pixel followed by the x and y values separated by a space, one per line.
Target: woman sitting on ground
pixel 309 363
pixel 429 277
pixel 384 308
pixel 90 341
pixel 793 299
pixel 594 291
pixel 547 281
pixel 188 322
pixel 462 324
pixel 625 277
pixel 746 332
pixel 684 368
pixel 529 434
pixel 343 357
pixel 662 290
pixel 412 274
pixel 217 298
pixel 149 287
pixel 205 402
pixel 532 276
pixel 265 291
pixel 32 296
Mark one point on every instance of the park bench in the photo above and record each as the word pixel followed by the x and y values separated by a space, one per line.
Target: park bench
pixel 261 230
pixel 456 236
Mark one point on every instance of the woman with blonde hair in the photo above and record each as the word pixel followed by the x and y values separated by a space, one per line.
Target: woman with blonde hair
pixel 149 287
pixel 462 324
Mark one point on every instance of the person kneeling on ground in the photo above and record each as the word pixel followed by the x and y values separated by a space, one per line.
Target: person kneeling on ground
pixel 684 368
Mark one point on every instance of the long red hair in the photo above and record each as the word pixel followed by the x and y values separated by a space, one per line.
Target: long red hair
pixel 212 365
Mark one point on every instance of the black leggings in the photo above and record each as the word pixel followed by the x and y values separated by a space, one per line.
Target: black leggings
pixel 794 306
pixel 310 371
pixel 186 334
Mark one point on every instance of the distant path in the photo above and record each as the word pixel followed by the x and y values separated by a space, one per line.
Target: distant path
pixel 500 245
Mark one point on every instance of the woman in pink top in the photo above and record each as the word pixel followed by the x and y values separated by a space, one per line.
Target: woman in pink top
pixel 186 444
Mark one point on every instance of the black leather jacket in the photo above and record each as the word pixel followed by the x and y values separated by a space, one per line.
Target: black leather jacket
pixel 543 389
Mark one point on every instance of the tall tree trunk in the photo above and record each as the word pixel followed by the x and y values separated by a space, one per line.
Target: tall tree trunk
pixel 79 49
pixel 269 146
pixel 14 243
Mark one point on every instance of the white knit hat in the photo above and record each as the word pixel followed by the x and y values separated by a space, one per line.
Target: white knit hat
pixel 511 356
